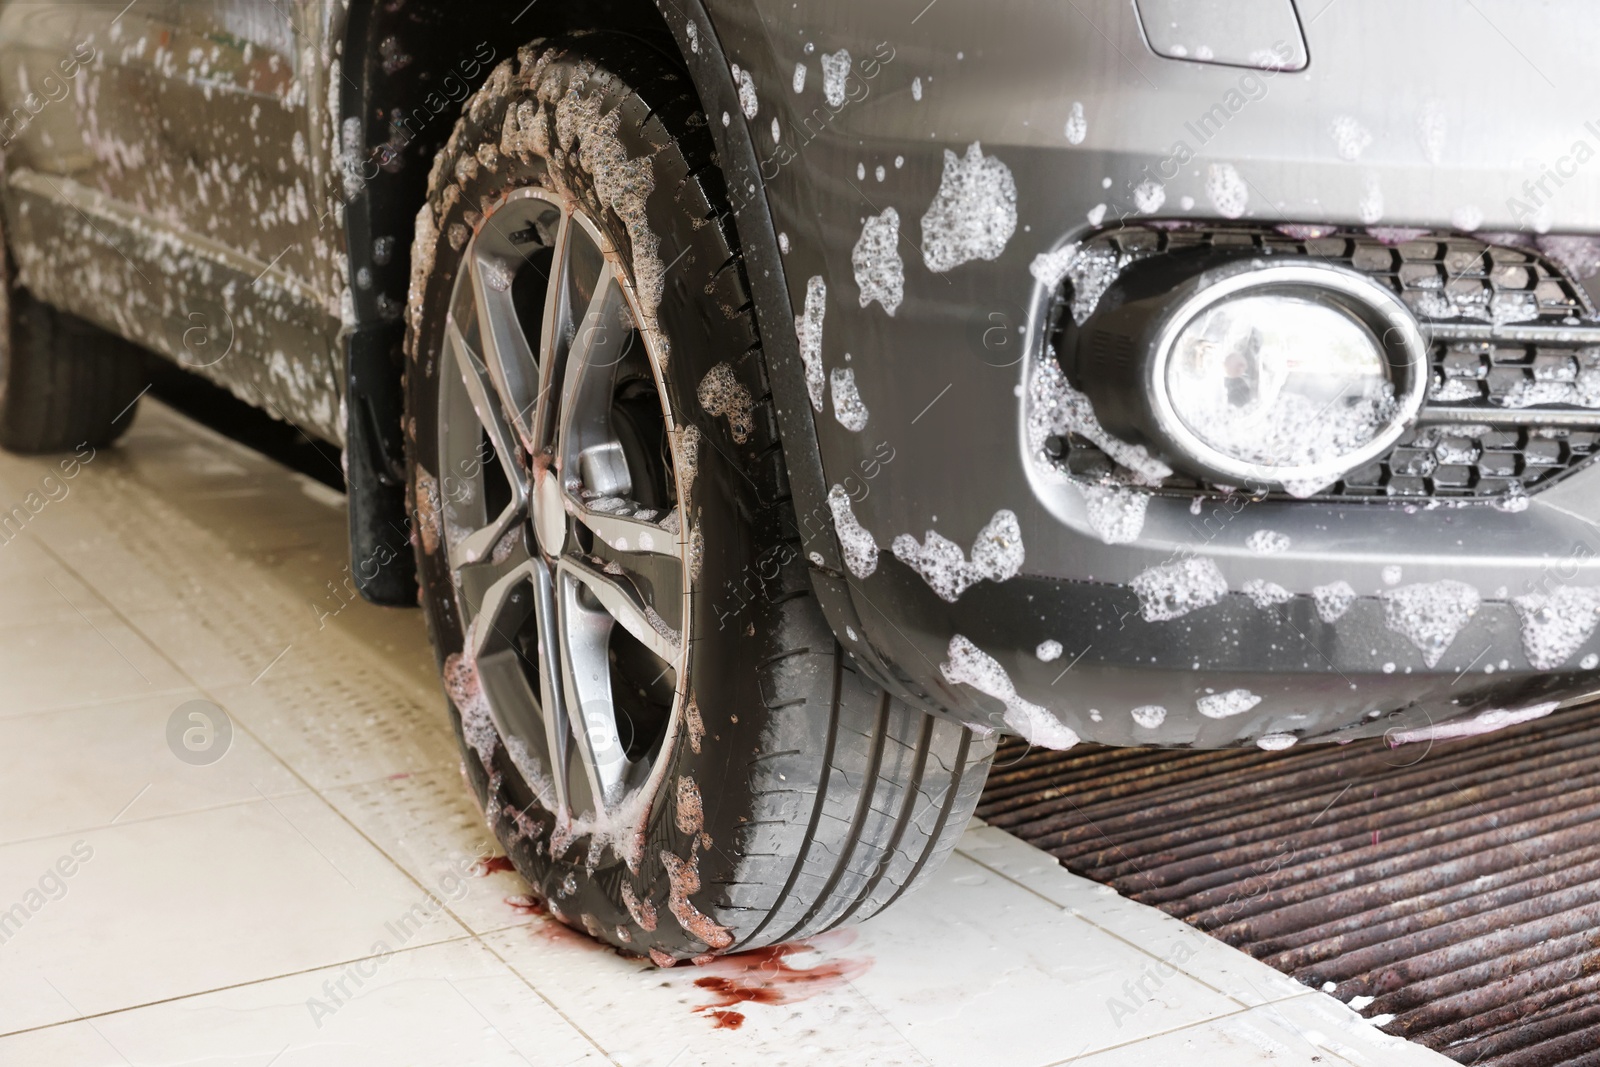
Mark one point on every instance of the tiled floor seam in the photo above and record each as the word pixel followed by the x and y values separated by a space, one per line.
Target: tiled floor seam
pixel 1147 1038
pixel 196 686
pixel 1266 1003
pixel 120 822
pixel 121 616
pixel 90 705
pixel 285 763
pixel 598 1047
pixel 471 934
pixel 277 795
pixel 126 618
pixel 244 726
pixel 1309 994
pixel 909 1043
pixel 468 936
pixel 1109 932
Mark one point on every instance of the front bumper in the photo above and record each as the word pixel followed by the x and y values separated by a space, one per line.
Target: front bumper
pixel 941 378
pixel 1315 680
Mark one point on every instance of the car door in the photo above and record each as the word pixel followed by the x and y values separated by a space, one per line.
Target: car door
pixel 167 176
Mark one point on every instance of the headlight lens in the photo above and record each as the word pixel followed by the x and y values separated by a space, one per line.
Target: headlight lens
pixel 1280 381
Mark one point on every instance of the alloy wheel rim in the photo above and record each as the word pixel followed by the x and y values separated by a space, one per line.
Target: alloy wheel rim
pixel 560 472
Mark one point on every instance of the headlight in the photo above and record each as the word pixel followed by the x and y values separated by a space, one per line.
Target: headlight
pixel 1278 374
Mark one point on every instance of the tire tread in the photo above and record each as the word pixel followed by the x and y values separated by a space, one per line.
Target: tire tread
pixel 68 383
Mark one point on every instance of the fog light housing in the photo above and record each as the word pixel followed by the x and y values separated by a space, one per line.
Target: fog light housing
pixel 1282 374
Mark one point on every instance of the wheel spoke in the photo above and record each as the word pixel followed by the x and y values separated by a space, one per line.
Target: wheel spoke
pixel 552 694
pixel 485 402
pixel 629 533
pixel 597 340
pixel 554 329
pixel 497 542
pixel 512 365
pixel 625 605
pixel 521 598
pixel 586 676
pixel 507 552
pixel 491 539
pixel 590 454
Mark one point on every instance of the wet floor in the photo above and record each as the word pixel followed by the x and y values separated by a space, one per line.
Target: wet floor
pixel 233 830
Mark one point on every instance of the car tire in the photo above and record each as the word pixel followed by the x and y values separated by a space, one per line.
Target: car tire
pixel 63 382
pixel 788 793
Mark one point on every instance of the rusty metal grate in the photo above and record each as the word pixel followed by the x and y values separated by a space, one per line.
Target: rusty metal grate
pixel 1459 887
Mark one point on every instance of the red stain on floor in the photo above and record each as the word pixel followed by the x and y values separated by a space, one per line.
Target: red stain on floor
pixel 554 928
pixel 489 864
pixel 525 905
pixel 765 976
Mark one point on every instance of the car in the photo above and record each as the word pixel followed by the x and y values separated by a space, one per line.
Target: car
pixel 772 407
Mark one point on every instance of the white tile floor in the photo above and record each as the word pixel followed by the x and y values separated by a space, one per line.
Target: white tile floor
pixel 307 899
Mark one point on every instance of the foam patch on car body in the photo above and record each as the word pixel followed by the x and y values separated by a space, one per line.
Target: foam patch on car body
pixel 1264 594
pixel 1430 614
pixel 997 554
pixel 848 407
pixel 1228 192
pixel 1116 513
pixel 859 548
pixel 967 664
pixel 1555 625
pixel 880 273
pixel 974 213
pixel 1076 127
pixel 1054 408
pixel 1172 590
pixel 1149 716
pixel 835 72
pixel 723 395
pixel 1225 705
pixel 1333 600
pixel 808 332
pixel 748 102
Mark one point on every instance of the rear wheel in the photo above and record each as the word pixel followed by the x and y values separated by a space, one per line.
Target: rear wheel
pixel 663 731
pixel 63 382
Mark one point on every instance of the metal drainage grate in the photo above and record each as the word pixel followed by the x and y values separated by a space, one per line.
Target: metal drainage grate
pixel 1458 887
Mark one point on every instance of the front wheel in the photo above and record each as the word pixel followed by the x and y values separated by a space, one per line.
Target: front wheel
pixel 594 454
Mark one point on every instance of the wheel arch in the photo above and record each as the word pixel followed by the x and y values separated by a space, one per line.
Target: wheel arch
pixel 397 69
